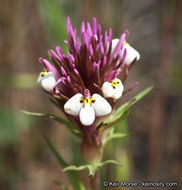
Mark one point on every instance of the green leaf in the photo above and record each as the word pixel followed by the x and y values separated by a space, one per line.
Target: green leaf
pixel 113 122
pixel 111 136
pixel 55 152
pixel 109 162
pixel 61 120
pixel 131 102
pixel 75 168
pixel 122 112
pixel 71 175
pixel 62 185
pixel 119 115
pixel 92 168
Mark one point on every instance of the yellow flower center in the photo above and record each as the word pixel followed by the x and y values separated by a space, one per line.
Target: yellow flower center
pixel 43 72
pixel 115 83
pixel 87 101
pixel 125 43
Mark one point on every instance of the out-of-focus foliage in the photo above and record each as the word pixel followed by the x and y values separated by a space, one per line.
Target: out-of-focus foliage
pixel 19 81
pixel 54 21
pixel 11 124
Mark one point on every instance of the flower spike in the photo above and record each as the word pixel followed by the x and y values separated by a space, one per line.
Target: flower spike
pixel 93 63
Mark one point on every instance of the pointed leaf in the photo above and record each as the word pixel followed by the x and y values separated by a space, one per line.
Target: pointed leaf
pixel 71 175
pixel 114 136
pixel 122 112
pixel 91 169
pixel 130 103
pixel 61 120
pixel 108 162
pixel 107 125
pixel 75 168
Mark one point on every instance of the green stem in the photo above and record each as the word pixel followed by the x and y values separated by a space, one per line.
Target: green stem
pixel 94 182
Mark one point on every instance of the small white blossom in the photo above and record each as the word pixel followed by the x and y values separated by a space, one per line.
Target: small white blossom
pixel 87 107
pixel 46 80
pixel 131 53
pixel 113 89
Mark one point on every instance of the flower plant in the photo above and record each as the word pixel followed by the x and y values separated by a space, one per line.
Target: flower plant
pixel 85 84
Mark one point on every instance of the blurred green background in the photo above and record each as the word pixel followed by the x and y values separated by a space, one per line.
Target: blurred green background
pixel 153 152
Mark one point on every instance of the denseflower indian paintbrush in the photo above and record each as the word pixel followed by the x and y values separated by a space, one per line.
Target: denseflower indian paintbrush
pixel 88 80
pixel 85 84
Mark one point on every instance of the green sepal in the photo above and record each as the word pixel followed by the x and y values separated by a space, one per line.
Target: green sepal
pixel 61 120
pixel 92 168
pixel 71 175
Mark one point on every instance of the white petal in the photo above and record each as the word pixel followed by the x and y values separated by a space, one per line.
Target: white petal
pixel 110 92
pixel 131 54
pixel 47 81
pixel 87 115
pixel 117 93
pixel 101 105
pixel 73 105
pixel 107 89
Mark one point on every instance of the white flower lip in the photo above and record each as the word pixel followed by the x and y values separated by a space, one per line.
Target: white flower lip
pixel 46 80
pixel 87 108
pixel 131 53
pixel 87 115
pixel 113 89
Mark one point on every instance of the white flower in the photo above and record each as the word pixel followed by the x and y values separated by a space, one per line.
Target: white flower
pixel 131 53
pixel 46 80
pixel 87 107
pixel 113 89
